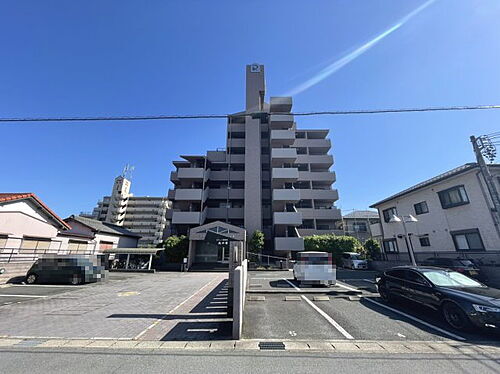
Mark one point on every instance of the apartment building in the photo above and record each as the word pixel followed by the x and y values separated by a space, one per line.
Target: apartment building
pixel 358 222
pixel 142 215
pixel 271 177
pixel 453 211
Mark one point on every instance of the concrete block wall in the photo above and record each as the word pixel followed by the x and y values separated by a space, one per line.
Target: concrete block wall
pixel 13 270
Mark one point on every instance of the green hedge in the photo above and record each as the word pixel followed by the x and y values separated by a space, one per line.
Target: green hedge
pixel 334 244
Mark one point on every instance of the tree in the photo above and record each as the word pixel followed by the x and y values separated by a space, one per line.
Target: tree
pixel 371 249
pixel 176 248
pixel 333 244
pixel 256 243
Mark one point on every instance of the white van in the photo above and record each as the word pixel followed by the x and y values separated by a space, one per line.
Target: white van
pixel 315 268
pixel 353 260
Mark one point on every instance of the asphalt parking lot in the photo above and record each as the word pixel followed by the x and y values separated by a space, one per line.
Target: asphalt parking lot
pixel 161 306
pixel 278 308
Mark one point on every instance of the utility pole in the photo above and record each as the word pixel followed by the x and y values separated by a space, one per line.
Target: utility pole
pixel 479 145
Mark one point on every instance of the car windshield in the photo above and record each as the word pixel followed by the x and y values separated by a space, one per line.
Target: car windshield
pixel 356 257
pixel 450 279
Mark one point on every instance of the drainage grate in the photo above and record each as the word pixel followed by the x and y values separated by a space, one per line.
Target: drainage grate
pixel 272 346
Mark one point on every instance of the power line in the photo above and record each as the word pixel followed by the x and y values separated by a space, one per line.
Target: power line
pixel 225 116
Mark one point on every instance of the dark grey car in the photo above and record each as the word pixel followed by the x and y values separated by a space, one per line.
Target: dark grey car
pixel 66 269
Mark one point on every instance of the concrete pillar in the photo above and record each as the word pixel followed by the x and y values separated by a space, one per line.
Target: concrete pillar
pixel 253 177
pixel 150 261
pixel 128 260
pixel 191 249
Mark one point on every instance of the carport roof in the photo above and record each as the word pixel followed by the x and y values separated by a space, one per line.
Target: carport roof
pixel 132 251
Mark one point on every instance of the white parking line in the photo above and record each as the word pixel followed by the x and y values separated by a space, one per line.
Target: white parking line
pixel 30 296
pixel 329 319
pixel 458 337
pixel 345 286
pixel 291 284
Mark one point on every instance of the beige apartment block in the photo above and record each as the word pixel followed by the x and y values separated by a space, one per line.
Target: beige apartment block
pixel 272 177
pixel 454 212
pixel 142 215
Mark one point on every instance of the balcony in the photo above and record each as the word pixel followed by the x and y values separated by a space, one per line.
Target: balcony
pixel 188 218
pixel 283 155
pixel 191 173
pixel 313 143
pixel 222 193
pixel 280 104
pixel 318 176
pixel 285 174
pixel 280 121
pixel 286 195
pixel 282 137
pixel 224 175
pixel 329 195
pixel 311 232
pixel 329 214
pixel 288 244
pixel 288 218
pixel 323 160
pixel 223 213
pixel 376 229
pixel 189 194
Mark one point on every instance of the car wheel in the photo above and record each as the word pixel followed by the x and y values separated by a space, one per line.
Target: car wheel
pixel 76 279
pixel 455 316
pixel 31 279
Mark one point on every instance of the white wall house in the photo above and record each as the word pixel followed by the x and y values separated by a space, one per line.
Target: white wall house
pixel 27 223
pixel 88 234
pixel 454 212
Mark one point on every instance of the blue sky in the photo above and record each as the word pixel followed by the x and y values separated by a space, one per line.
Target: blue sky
pixel 93 58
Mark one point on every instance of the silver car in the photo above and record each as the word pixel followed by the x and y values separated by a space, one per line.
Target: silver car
pixel 353 260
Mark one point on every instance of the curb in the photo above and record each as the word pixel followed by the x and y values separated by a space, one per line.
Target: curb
pixel 327 346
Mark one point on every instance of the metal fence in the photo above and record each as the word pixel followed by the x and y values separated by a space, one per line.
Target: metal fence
pixel 8 255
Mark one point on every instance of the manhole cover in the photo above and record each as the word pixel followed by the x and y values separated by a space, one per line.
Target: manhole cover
pixel 271 346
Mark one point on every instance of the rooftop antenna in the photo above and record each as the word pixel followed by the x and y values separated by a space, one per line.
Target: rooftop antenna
pixel 127 171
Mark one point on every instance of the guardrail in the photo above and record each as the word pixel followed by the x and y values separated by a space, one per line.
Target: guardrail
pixel 266 259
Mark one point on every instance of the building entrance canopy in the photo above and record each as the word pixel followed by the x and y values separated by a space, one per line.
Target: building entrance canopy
pixel 217 230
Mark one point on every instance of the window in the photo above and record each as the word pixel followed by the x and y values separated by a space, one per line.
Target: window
pixel 424 241
pixel 388 213
pixel 401 274
pixel 390 245
pixel 413 276
pixel 466 240
pixel 35 243
pixel 421 208
pixel 77 245
pixel 3 241
pixel 359 227
pixel 452 197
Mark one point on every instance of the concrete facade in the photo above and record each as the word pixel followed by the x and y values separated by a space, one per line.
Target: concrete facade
pixel 466 225
pixel 143 215
pixel 271 177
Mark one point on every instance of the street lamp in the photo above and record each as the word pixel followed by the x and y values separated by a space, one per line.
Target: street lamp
pixel 404 220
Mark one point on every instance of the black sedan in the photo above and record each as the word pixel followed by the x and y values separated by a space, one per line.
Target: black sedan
pixel 463 302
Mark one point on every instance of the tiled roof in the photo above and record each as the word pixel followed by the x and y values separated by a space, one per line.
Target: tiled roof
pixel 14 196
pixel 362 214
pixel 104 227
pixel 450 173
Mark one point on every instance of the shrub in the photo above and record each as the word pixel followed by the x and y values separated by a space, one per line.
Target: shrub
pixel 334 244
pixel 371 249
pixel 176 248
